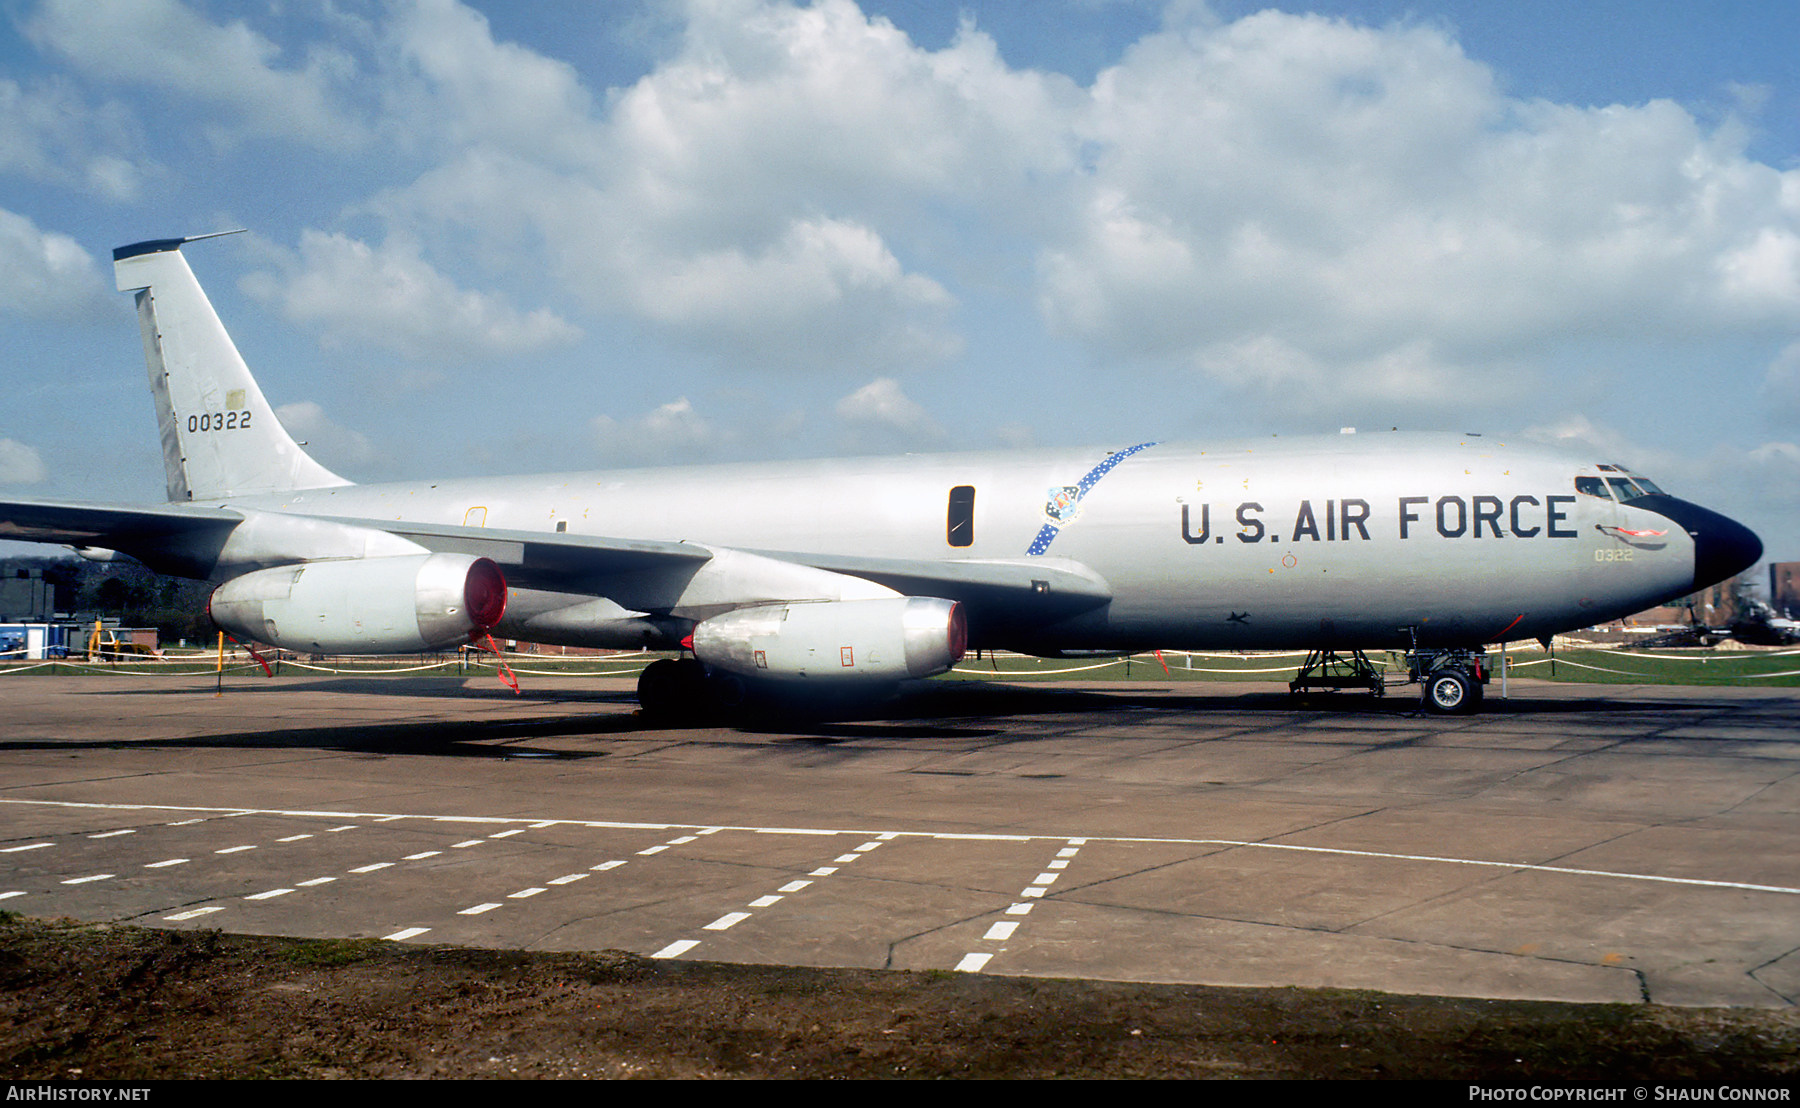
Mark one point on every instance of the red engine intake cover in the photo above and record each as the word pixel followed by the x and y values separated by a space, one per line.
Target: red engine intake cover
pixel 484 595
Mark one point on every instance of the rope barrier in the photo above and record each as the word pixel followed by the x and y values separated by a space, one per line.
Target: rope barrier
pixel 369 669
pixel 159 667
pixel 636 660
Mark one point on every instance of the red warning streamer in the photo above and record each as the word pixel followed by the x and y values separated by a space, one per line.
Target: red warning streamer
pixel 254 654
pixel 501 668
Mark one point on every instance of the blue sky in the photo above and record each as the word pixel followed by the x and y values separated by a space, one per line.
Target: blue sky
pixel 555 235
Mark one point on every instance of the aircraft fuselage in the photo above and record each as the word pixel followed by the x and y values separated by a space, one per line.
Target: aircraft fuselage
pixel 1353 540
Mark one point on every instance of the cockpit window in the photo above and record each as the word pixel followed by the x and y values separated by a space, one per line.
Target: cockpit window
pixel 1623 489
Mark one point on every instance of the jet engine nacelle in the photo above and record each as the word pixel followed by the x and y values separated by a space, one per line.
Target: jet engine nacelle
pixel 397 605
pixel 836 640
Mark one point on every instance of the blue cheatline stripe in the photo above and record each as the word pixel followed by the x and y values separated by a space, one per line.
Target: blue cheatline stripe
pixel 1048 533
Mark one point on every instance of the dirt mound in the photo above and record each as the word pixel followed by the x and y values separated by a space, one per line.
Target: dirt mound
pixel 107 1002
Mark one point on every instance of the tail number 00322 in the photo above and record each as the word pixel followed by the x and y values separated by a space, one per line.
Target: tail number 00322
pixel 219 421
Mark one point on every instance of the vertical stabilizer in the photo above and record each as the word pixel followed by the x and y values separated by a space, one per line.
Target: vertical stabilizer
pixel 220 438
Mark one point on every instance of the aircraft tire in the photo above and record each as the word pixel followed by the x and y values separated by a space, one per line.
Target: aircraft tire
pixel 658 689
pixel 1451 692
pixel 676 690
pixel 727 691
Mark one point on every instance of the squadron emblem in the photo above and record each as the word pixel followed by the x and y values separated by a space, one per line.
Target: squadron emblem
pixel 1063 504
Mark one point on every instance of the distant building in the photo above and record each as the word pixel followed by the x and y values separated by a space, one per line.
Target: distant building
pixel 1784 587
pixel 25 597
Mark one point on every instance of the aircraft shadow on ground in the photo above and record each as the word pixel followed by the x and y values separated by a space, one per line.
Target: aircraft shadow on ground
pixel 477 739
pixel 382 685
pixel 960 710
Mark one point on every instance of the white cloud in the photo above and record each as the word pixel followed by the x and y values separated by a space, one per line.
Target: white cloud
pixel 1299 208
pixel 1575 429
pixel 825 294
pixel 44 274
pixel 20 464
pixel 677 423
pixel 232 67
pixel 1781 384
pixel 1352 194
pixel 1016 436
pixel 1308 381
pixel 1677 472
pixel 882 403
pixel 743 197
pixel 880 418
pixel 335 446
pixel 671 432
pixel 49 133
pixel 1764 272
pixel 1760 486
pixel 390 298
pixel 1274 199
pixel 455 79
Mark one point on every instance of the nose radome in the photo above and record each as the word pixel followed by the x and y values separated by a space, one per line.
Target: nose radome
pixel 1723 547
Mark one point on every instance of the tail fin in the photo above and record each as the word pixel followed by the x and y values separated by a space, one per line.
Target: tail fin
pixel 219 436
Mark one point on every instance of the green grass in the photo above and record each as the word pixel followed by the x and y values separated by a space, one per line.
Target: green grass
pixel 1664 667
pixel 330 952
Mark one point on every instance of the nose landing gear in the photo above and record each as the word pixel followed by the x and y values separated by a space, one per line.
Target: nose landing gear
pixel 1451 679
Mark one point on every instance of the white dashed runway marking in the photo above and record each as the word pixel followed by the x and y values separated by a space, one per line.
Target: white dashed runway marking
pixel 541 876
pixel 1002 930
pixel 194 914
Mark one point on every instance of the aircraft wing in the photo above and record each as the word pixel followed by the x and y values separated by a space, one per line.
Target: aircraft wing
pixel 553 561
pixel 184 538
pixel 1028 591
pixel 1044 587
pixel 114 526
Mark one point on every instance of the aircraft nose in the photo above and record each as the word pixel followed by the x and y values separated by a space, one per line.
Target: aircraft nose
pixel 1723 547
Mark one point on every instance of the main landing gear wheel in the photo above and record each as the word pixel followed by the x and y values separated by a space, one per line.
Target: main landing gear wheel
pixel 673 689
pixel 1452 692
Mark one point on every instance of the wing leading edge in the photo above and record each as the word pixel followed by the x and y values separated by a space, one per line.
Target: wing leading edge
pixel 200 541
pixel 1001 594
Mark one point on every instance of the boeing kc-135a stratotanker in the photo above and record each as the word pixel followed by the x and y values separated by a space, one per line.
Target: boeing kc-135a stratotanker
pixel 860 573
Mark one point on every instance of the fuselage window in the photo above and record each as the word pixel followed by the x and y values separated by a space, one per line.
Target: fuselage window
pixel 960 530
pixel 1591 486
pixel 1623 489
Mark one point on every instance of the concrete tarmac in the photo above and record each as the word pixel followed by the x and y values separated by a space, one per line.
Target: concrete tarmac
pixel 1579 843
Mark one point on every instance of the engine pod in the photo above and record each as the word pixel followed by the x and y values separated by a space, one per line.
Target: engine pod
pixel 395 605
pixel 836 640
